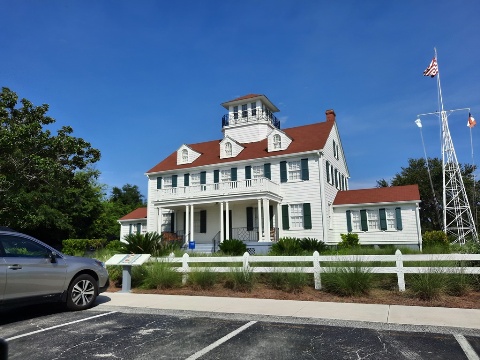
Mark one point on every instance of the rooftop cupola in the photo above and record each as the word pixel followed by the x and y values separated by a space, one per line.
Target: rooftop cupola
pixel 250 118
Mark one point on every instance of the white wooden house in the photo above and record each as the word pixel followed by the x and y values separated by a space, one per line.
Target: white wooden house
pixel 258 183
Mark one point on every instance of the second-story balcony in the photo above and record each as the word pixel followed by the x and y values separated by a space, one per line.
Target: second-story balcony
pixel 250 116
pixel 260 186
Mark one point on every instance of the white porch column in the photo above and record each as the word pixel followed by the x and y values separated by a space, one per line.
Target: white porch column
pixel 279 220
pixel 266 218
pixel 192 228
pixel 227 220
pixel 222 229
pixel 260 225
pixel 160 220
pixel 187 224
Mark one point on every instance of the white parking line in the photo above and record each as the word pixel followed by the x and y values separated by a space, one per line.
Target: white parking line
pixel 466 347
pixel 57 326
pixel 220 341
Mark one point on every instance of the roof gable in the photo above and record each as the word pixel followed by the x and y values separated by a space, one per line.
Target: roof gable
pixel 305 138
pixel 137 214
pixel 378 195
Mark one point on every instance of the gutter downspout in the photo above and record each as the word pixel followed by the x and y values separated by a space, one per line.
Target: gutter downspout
pixel 321 177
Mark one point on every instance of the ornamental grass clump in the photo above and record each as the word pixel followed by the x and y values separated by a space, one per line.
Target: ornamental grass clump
pixel 240 279
pixel 427 286
pixel 160 275
pixel 348 280
pixel 202 278
pixel 292 282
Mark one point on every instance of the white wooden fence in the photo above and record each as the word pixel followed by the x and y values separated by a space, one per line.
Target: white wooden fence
pixel 316 261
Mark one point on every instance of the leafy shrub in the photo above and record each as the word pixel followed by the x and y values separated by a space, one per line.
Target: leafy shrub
pixel 349 240
pixel 233 247
pixel 239 279
pixel 170 246
pixel 203 279
pixel 435 238
pixel 287 246
pixel 348 280
pixel 159 275
pixel 148 243
pixel 80 246
pixel 312 245
pixel 114 245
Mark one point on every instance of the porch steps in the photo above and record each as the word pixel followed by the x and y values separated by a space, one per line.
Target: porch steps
pixel 202 248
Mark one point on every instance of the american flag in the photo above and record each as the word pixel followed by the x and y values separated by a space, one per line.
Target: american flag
pixel 471 121
pixel 432 69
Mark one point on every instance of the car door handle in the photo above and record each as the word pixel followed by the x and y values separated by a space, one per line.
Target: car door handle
pixel 15 267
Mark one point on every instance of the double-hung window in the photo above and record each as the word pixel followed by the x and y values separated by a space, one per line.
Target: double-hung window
pixel 195 179
pixel 235 112
pixel 257 172
pixel 244 110
pixel 356 220
pixel 372 216
pixel 225 175
pixel 390 215
pixel 296 216
pixel 167 182
pixel 294 170
pixel 253 106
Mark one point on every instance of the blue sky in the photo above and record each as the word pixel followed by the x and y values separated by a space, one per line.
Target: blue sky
pixel 139 79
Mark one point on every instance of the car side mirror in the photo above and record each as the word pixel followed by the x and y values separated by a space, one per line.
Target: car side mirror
pixel 53 257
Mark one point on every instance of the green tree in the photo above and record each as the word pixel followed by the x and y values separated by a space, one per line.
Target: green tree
pixel 121 201
pixel 431 207
pixel 47 186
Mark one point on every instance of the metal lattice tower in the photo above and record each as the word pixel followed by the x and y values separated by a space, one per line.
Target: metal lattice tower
pixel 457 214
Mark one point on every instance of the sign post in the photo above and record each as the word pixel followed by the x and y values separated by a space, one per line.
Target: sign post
pixel 127 261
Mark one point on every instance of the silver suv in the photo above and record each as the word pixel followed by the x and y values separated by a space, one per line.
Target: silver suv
pixel 32 272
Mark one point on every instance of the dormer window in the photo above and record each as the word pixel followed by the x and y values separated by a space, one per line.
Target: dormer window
pixel 185 156
pixel 235 112
pixel 228 149
pixel 277 141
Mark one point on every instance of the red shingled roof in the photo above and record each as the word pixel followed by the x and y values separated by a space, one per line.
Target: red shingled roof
pixel 139 213
pixel 305 138
pixel 378 195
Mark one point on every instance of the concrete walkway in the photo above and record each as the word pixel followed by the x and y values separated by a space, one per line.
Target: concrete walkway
pixel 388 314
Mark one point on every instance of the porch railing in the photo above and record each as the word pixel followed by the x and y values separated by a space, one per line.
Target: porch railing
pixel 247 186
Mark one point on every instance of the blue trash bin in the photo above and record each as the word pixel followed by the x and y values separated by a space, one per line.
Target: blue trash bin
pixel 191 245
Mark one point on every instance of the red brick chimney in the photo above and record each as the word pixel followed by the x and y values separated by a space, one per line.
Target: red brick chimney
pixel 330 115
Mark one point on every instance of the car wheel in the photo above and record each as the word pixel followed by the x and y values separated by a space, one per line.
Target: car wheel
pixel 82 292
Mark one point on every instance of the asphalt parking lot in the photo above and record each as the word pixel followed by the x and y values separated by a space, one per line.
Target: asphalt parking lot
pixel 46 332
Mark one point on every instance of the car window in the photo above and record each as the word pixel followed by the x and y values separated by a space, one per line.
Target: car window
pixel 15 246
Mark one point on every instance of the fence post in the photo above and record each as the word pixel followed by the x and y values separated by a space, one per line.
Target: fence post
pixel 400 273
pixel 316 271
pixel 245 261
pixel 185 258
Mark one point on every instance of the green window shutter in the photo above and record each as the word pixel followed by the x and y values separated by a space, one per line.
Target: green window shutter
pixel 130 228
pixel 249 218
pixel 139 228
pixel 304 163
pixel 398 215
pixel 203 221
pixel 307 216
pixel 363 220
pixel 233 174
pixel 159 182
pixel 203 177
pixel 285 222
pixel 327 165
pixel 248 172
pixel 172 222
pixel 267 172
pixel 216 176
pixel 186 180
pixel 174 180
pixel 383 219
pixel 336 178
pixel 334 149
pixel 283 171
pixel 349 221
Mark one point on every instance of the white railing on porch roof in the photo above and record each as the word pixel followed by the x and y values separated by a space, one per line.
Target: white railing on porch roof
pixel 222 188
